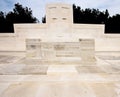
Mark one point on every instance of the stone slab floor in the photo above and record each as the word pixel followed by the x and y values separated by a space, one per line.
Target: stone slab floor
pixel 21 77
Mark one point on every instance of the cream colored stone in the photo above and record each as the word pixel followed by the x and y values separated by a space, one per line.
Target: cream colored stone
pixel 56 12
pixel 100 79
pixel 59 28
pixel 60 59
pixel 61 51
pixel 60 69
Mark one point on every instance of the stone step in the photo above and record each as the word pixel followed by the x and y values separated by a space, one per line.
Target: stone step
pixel 61 69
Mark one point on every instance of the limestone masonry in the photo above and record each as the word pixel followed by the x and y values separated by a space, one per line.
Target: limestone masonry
pixel 59 27
pixel 59 58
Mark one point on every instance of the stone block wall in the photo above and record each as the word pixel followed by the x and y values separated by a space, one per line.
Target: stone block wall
pixel 83 50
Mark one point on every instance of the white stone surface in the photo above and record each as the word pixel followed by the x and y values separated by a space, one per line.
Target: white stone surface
pixel 61 51
pixel 59 28
pixel 97 80
pixel 59 12
pixel 83 74
pixel 61 69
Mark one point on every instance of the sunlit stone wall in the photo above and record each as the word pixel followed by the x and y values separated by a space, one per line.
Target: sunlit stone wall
pixel 58 28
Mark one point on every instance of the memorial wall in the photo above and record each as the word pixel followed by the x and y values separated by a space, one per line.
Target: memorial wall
pixel 59 27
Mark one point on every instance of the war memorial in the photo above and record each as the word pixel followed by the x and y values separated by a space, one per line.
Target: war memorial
pixel 59 58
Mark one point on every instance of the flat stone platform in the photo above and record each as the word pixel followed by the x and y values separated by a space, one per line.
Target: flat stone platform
pixel 21 77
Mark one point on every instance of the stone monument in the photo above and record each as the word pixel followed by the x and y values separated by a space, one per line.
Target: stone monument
pixel 58 43
pixel 50 60
pixel 59 27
